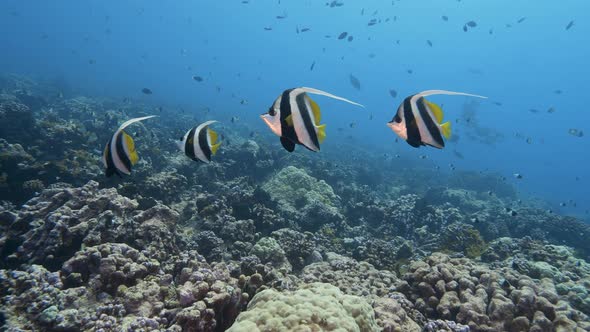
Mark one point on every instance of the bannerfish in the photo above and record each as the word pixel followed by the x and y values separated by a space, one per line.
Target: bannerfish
pixel 419 122
pixel 119 153
pixel 295 118
pixel 200 142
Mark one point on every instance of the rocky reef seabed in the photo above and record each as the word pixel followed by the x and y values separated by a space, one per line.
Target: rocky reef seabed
pixel 259 240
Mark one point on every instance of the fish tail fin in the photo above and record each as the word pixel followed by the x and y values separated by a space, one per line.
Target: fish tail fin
pixel 321 133
pixel 215 147
pixel 324 93
pixel 436 110
pixel 446 129
pixel 133 157
pixel 317 114
pixel 450 93
pixel 212 135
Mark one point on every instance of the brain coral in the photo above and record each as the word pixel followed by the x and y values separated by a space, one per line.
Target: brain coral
pixel 313 307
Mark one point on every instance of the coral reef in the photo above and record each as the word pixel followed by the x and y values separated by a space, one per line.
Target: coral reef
pixel 352 277
pixel 299 248
pixel 464 238
pixel 391 315
pixel 315 306
pixel 55 224
pixel 472 294
pixel 265 239
pixel 268 250
pixel 291 184
pixel 312 202
pixel 16 121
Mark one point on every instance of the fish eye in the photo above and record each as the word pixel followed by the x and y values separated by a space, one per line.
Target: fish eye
pixel 397 118
pixel 272 112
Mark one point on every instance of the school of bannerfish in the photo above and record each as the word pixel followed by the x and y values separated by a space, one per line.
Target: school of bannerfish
pixel 295 118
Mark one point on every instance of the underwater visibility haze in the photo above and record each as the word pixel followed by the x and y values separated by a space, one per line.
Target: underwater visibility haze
pixel 258 165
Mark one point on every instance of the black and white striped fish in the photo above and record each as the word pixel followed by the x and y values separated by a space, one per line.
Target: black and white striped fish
pixel 295 118
pixel 419 121
pixel 200 142
pixel 119 153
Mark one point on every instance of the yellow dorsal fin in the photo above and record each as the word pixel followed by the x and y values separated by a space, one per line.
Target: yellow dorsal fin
pixel 436 110
pixel 317 115
pixel 212 136
pixel 289 120
pixel 128 141
pixel 446 129
pixel 321 133
pixel 215 147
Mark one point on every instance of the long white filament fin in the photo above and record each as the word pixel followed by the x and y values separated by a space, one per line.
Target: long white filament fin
pixel 323 93
pixel 205 124
pixel 445 92
pixel 128 122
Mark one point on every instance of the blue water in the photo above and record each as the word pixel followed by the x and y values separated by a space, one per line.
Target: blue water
pixel 137 44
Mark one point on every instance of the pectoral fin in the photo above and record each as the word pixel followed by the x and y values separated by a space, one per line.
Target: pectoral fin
pixel 289 120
